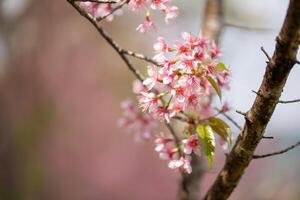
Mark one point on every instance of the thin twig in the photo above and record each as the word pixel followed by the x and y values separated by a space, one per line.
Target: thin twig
pixel 257 93
pixel 267 137
pixel 232 121
pixel 140 56
pixel 99 1
pixel 280 101
pixel 265 52
pixel 229 118
pixel 298 62
pixel 276 153
pixel 289 101
pixel 110 41
pixel 241 113
pixel 112 11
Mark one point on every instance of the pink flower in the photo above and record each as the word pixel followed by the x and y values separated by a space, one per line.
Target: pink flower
pixel 141 124
pixel 168 153
pixel 193 101
pixel 99 10
pixel 138 87
pixel 171 13
pixel 162 113
pixel 182 49
pixel 136 4
pixel 191 144
pixel 179 92
pixel 146 25
pixel 89 7
pixel 153 77
pixel 161 143
pixel 215 50
pixel 105 9
pixel 167 76
pixel 148 101
pixel 161 46
pixel 176 108
pixel 159 4
pixel 182 164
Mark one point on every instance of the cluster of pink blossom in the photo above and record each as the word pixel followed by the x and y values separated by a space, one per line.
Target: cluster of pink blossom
pixel 167 150
pixel 137 122
pixel 99 10
pixel 187 76
pixel 181 86
pixel 165 6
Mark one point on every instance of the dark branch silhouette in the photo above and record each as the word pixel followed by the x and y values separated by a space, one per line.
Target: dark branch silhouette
pixel 277 152
pixel 277 72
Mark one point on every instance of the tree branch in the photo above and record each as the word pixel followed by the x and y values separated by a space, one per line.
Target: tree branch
pixel 277 152
pixel 266 54
pixel 109 40
pixel 280 101
pixel 289 101
pixel 277 71
pixel 140 56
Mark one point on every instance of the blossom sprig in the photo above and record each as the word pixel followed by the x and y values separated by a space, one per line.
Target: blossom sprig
pixel 142 125
pixel 108 11
pixel 101 10
pixel 188 75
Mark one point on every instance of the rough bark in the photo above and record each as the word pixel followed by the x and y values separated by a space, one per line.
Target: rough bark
pixel 276 74
pixel 189 185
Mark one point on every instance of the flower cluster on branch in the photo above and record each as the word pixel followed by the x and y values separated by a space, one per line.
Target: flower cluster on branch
pixel 108 11
pixel 182 86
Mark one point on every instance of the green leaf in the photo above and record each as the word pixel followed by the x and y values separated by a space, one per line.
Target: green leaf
pixel 208 143
pixel 221 128
pixel 221 67
pixel 215 86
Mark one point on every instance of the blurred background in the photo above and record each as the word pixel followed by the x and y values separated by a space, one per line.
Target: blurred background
pixel 60 90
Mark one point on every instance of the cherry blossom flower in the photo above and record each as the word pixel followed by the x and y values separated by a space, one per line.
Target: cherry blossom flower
pixel 162 113
pixel 99 10
pixel 105 9
pixel 161 142
pixel 168 153
pixel 153 77
pixel 136 4
pixel 164 146
pixel 171 13
pixel 138 87
pixel 146 25
pixel 191 144
pixel 215 50
pixel 159 4
pixel 183 164
pixel 161 46
pixel 141 124
pixel 148 101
